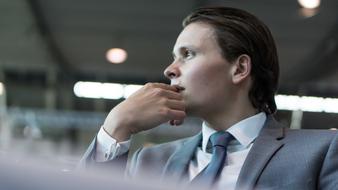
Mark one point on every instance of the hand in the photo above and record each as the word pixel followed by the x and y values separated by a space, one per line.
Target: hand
pixel 152 105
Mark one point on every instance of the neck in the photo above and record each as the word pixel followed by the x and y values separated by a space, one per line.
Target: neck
pixel 232 114
pixel 224 122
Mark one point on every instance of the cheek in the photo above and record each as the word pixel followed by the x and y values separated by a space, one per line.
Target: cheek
pixel 211 76
pixel 197 77
pixel 207 81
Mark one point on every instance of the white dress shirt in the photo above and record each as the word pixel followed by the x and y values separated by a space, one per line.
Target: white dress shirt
pixel 245 132
pixel 108 148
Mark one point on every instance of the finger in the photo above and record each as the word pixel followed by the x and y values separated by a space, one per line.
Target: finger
pixel 167 94
pixel 178 122
pixel 162 86
pixel 175 104
pixel 165 90
pixel 176 114
pixel 173 95
pixel 158 92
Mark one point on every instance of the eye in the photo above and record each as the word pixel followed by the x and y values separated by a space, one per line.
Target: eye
pixel 187 54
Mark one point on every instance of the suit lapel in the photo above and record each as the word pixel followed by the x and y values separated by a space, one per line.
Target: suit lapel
pixel 176 167
pixel 264 148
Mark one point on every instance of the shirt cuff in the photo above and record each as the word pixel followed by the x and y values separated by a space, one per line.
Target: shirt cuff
pixel 108 148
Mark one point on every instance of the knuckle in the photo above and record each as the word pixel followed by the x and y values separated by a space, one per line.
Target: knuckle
pixel 165 111
pixel 158 92
pixel 183 115
pixel 149 85
pixel 164 101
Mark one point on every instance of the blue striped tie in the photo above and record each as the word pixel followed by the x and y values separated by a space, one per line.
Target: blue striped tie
pixel 211 173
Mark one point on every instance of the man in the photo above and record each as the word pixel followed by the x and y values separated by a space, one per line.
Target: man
pixel 225 71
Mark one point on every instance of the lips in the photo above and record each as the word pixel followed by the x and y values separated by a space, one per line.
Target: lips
pixel 178 87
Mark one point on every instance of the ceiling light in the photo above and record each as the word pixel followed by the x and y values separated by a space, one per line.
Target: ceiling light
pixel 111 91
pixel 98 90
pixel 104 90
pixel 284 102
pixel 309 4
pixel 307 103
pixel 130 89
pixel 2 88
pixel 116 55
pixel 307 13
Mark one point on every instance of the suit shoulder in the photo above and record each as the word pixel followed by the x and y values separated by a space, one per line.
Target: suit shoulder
pixel 312 132
pixel 154 158
pixel 311 136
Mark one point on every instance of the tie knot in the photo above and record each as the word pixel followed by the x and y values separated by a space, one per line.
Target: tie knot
pixel 221 138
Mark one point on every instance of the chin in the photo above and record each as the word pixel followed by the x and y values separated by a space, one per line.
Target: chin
pixel 192 111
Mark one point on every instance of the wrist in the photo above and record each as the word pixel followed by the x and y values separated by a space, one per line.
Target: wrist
pixel 120 134
pixel 117 128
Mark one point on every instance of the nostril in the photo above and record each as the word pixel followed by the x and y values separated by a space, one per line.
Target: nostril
pixel 171 75
pixel 172 72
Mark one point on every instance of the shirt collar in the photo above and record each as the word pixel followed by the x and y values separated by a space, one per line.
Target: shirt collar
pixel 244 131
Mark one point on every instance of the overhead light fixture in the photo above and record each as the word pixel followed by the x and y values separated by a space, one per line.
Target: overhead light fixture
pixel 307 13
pixel 309 8
pixel 284 102
pixel 104 90
pixel 309 4
pixel 130 89
pixel 2 88
pixel 307 103
pixel 116 55
pixel 111 91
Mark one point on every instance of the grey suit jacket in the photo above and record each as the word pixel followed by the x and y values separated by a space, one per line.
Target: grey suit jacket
pixel 280 158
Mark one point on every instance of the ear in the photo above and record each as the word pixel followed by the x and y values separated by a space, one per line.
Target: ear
pixel 241 69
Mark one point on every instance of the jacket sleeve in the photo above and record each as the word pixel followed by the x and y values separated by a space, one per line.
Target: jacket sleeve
pixel 116 165
pixel 328 178
pixel 133 165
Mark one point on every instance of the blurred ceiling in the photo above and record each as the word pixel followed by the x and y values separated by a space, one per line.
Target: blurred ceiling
pixel 72 37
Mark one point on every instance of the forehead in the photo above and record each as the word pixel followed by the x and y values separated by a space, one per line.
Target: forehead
pixel 196 34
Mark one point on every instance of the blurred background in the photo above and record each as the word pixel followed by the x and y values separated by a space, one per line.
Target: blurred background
pixel 65 64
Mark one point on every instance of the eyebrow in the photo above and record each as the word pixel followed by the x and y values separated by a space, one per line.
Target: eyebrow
pixel 184 47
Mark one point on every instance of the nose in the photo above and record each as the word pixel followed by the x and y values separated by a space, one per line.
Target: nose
pixel 172 71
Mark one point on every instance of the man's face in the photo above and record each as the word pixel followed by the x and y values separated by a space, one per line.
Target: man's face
pixel 200 69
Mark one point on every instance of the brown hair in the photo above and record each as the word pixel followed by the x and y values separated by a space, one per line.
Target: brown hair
pixel 239 32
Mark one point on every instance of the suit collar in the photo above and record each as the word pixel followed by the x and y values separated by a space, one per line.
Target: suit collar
pixel 265 146
pixel 177 165
pixel 244 131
